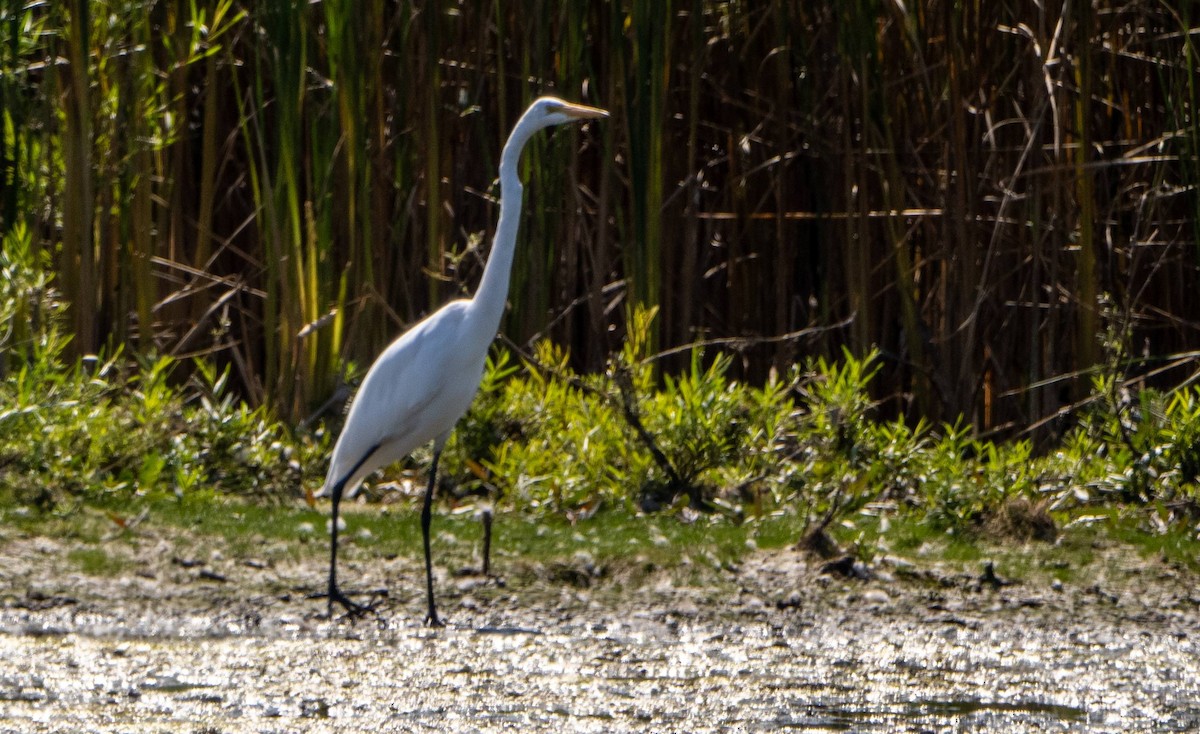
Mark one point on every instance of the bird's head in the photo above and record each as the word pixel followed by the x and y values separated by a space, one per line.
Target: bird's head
pixel 547 111
pixel 544 112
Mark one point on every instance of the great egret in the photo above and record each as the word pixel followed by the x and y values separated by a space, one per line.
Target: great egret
pixel 424 381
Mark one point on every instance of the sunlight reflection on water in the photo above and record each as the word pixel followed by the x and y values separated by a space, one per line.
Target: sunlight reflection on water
pixel 625 674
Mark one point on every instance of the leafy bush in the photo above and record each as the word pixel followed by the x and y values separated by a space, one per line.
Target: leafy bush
pixel 108 427
pixel 550 439
pixel 101 434
pixel 545 440
pixel 1145 445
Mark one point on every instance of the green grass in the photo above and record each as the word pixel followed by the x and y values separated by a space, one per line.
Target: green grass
pixel 613 537
pixel 1180 548
pixel 96 561
pixel 622 546
pixel 1102 545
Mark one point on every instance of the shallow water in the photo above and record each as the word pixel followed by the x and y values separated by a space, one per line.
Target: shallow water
pixel 773 645
pixel 835 670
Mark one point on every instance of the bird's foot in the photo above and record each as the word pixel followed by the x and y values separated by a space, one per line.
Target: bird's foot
pixel 431 620
pixel 354 610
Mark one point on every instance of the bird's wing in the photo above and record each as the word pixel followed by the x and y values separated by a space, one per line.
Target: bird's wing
pixel 404 400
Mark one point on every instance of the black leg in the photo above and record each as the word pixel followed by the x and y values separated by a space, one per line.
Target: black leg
pixel 335 594
pixel 486 517
pixel 431 619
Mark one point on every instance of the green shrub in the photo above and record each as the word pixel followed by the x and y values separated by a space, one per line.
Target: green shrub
pixel 108 427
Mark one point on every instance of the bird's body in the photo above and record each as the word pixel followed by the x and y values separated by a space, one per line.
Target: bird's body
pixel 429 374
pixel 420 386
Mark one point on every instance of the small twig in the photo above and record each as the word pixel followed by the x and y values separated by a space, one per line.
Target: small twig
pixel 609 288
pixel 835 507
pixel 742 343
pixel 340 395
pixel 627 403
pixel 629 408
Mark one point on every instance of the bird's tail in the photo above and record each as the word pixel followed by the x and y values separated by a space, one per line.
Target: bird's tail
pixel 339 476
pixel 326 489
pixel 332 482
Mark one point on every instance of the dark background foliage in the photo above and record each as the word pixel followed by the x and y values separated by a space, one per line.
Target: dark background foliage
pixel 990 192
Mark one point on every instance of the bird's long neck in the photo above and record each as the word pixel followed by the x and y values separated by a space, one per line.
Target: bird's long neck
pixel 493 288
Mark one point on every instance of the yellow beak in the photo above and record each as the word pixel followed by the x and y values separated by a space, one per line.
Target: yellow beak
pixel 582 111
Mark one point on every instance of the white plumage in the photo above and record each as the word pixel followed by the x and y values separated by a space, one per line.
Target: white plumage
pixel 420 386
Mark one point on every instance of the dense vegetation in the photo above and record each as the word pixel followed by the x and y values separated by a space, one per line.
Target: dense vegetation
pixel 977 189
pixel 809 444
pixel 832 260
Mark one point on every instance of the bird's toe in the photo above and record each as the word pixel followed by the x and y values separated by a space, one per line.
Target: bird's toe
pixel 353 609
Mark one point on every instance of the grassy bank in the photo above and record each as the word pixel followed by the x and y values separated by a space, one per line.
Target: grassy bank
pixel 94 453
pixel 210 539
pixel 622 456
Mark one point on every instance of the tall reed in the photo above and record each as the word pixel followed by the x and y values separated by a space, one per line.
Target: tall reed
pixel 1087 271
pixel 967 186
pixel 77 266
pixel 645 110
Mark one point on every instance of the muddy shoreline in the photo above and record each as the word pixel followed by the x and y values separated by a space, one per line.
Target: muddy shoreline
pixel 209 642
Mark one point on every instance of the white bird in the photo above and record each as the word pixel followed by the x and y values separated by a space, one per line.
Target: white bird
pixel 424 381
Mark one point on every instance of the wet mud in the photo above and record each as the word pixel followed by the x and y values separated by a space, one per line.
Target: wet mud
pixel 237 646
